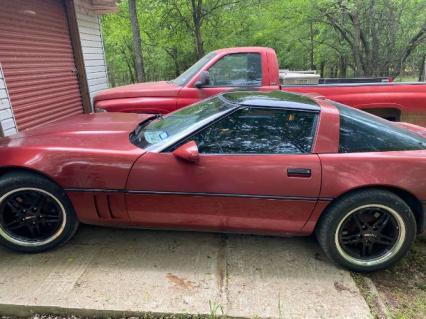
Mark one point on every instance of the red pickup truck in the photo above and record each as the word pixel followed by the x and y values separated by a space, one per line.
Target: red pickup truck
pixel 256 68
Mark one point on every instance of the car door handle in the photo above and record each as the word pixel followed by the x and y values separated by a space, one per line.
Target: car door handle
pixel 299 172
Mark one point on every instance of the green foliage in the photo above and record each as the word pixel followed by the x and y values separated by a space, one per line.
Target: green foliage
pixel 306 34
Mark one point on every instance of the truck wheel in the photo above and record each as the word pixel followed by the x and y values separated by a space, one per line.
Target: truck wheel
pixel 35 213
pixel 367 230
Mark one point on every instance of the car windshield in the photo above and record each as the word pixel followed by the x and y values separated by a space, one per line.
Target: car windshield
pixel 158 130
pixel 184 78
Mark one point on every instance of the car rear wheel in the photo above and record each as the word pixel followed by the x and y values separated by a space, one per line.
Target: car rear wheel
pixel 35 213
pixel 367 230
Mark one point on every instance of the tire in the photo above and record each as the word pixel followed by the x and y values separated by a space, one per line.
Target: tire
pixel 367 230
pixel 35 213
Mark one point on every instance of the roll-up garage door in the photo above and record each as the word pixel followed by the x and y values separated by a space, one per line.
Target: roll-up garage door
pixel 38 63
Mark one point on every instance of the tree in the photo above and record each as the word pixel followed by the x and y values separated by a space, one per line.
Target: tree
pixel 343 38
pixel 137 42
pixel 194 13
pixel 375 31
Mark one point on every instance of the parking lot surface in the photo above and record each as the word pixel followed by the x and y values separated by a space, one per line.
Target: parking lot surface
pixel 105 271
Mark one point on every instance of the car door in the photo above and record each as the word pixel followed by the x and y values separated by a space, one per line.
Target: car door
pixel 236 70
pixel 255 173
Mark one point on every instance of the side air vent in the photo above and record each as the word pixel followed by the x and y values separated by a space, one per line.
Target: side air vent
pixel 110 206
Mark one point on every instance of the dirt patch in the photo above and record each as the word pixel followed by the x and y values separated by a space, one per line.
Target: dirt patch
pixel 180 282
pixel 403 287
pixel 341 287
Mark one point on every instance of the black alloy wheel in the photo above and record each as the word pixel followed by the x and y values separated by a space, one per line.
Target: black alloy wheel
pixel 35 213
pixel 367 230
pixel 370 232
pixel 31 216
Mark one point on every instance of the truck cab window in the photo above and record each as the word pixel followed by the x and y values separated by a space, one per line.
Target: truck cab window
pixel 236 70
pixel 186 76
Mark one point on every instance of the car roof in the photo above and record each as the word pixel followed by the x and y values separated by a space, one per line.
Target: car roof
pixel 276 99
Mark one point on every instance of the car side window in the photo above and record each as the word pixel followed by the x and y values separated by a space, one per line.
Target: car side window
pixel 259 131
pixel 363 132
pixel 241 69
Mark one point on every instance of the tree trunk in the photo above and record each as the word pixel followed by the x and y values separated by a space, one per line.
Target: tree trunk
pixel 196 19
pixel 322 69
pixel 422 69
pixel 356 47
pixel 199 42
pixel 373 59
pixel 311 48
pixel 173 53
pixel 111 77
pixel 128 61
pixel 130 69
pixel 342 67
pixel 137 42
pixel 176 62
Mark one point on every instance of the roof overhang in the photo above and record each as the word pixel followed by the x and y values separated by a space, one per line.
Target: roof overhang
pixel 104 6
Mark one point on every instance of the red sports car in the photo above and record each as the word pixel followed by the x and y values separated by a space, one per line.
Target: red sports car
pixel 265 163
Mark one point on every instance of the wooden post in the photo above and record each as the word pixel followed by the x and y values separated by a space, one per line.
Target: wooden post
pixel 78 55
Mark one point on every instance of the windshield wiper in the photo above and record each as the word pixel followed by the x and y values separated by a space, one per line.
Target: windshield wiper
pixel 133 136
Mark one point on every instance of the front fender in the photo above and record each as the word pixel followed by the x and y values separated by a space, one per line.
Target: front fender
pixel 72 167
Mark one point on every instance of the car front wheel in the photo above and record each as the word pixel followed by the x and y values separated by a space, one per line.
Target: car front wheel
pixel 35 213
pixel 367 231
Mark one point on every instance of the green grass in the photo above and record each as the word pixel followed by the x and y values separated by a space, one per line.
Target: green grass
pixel 402 287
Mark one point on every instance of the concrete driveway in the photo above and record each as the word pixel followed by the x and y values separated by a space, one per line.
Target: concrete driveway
pixel 112 272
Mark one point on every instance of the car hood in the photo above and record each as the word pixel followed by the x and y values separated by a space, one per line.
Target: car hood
pixel 98 131
pixel 149 89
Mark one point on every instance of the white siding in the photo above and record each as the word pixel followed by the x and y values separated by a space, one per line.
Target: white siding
pixel 92 47
pixel 7 120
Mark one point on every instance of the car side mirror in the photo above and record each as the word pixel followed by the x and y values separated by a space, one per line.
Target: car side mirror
pixel 204 80
pixel 187 152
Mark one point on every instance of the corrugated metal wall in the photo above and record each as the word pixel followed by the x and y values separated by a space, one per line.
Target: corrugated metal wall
pixel 38 63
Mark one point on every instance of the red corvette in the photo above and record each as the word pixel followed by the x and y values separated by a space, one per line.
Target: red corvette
pixel 266 163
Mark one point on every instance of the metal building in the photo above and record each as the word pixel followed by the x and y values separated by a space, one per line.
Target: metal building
pixel 51 60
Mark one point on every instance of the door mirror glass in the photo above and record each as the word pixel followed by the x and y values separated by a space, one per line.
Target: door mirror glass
pixel 204 80
pixel 187 152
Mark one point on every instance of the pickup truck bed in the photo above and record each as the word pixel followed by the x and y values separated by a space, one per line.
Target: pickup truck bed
pixel 405 102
